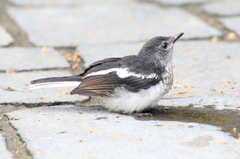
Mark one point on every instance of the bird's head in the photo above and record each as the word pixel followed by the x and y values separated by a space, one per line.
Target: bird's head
pixel 159 49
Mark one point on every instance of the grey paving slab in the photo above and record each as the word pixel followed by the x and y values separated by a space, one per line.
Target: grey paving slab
pixel 106 23
pixel 180 2
pixel 4 153
pixel 62 2
pixel 19 92
pixel 5 38
pixel 92 53
pixel 61 132
pixel 31 58
pixel 223 7
pixel 217 101
pixel 210 68
pixel 232 23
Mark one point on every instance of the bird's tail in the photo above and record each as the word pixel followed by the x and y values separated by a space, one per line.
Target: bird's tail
pixel 68 81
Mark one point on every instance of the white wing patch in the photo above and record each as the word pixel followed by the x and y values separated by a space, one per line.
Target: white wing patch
pixel 122 73
pixel 103 72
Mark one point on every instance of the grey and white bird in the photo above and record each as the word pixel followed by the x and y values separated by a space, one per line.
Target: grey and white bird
pixel 129 84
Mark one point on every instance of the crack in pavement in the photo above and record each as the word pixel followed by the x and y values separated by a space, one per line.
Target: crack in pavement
pixel 80 64
pixel 194 9
pixel 14 143
pixel 19 36
pixel 210 19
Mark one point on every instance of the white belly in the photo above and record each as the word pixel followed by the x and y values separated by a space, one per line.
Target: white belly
pixel 127 102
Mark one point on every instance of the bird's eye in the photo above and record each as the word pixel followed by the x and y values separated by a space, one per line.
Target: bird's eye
pixel 165 45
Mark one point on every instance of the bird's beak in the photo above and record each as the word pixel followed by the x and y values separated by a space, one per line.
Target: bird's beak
pixel 176 37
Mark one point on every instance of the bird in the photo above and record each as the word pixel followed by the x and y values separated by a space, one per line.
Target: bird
pixel 131 84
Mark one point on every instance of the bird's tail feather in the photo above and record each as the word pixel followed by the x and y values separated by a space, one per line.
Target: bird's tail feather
pixel 68 81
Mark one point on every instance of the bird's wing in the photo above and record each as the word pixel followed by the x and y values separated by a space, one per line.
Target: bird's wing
pixel 100 65
pixel 103 83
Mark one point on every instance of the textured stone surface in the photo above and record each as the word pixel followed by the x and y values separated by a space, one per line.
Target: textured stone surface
pixel 210 68
pixel 63 2
pixel 115 28
pixel 217 101
pixel 180 2
pixel 4 153
pixel 19 92
pixel 92 53
pixel 232 23
pixel 226 7
pixel 30 58
pixel 106 23
pixel 5 37
pixel 50 129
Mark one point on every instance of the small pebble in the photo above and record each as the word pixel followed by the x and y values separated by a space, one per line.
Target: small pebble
pixel 7 38
pixel 214 39
pixel 181 92
pixel 196 58
pixel 174 87
pixel 231 36
pixel 44 48
pixel 90 131
pixel 223 142
pixel 85 54
pixel 228 57
pixel 75 66
pixel 81 140
pixel 14 118
pixel 10 71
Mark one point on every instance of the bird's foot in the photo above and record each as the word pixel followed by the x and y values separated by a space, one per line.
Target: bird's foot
pixel 142 114
pixel 150 113
pixel 162 110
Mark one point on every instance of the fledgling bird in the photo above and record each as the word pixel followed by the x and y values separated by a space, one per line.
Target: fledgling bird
pixel 129 84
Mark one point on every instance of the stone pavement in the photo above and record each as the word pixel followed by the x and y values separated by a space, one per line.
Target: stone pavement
pixel 59 37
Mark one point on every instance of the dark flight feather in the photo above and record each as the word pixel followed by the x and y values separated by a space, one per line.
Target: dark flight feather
pixel 102 85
